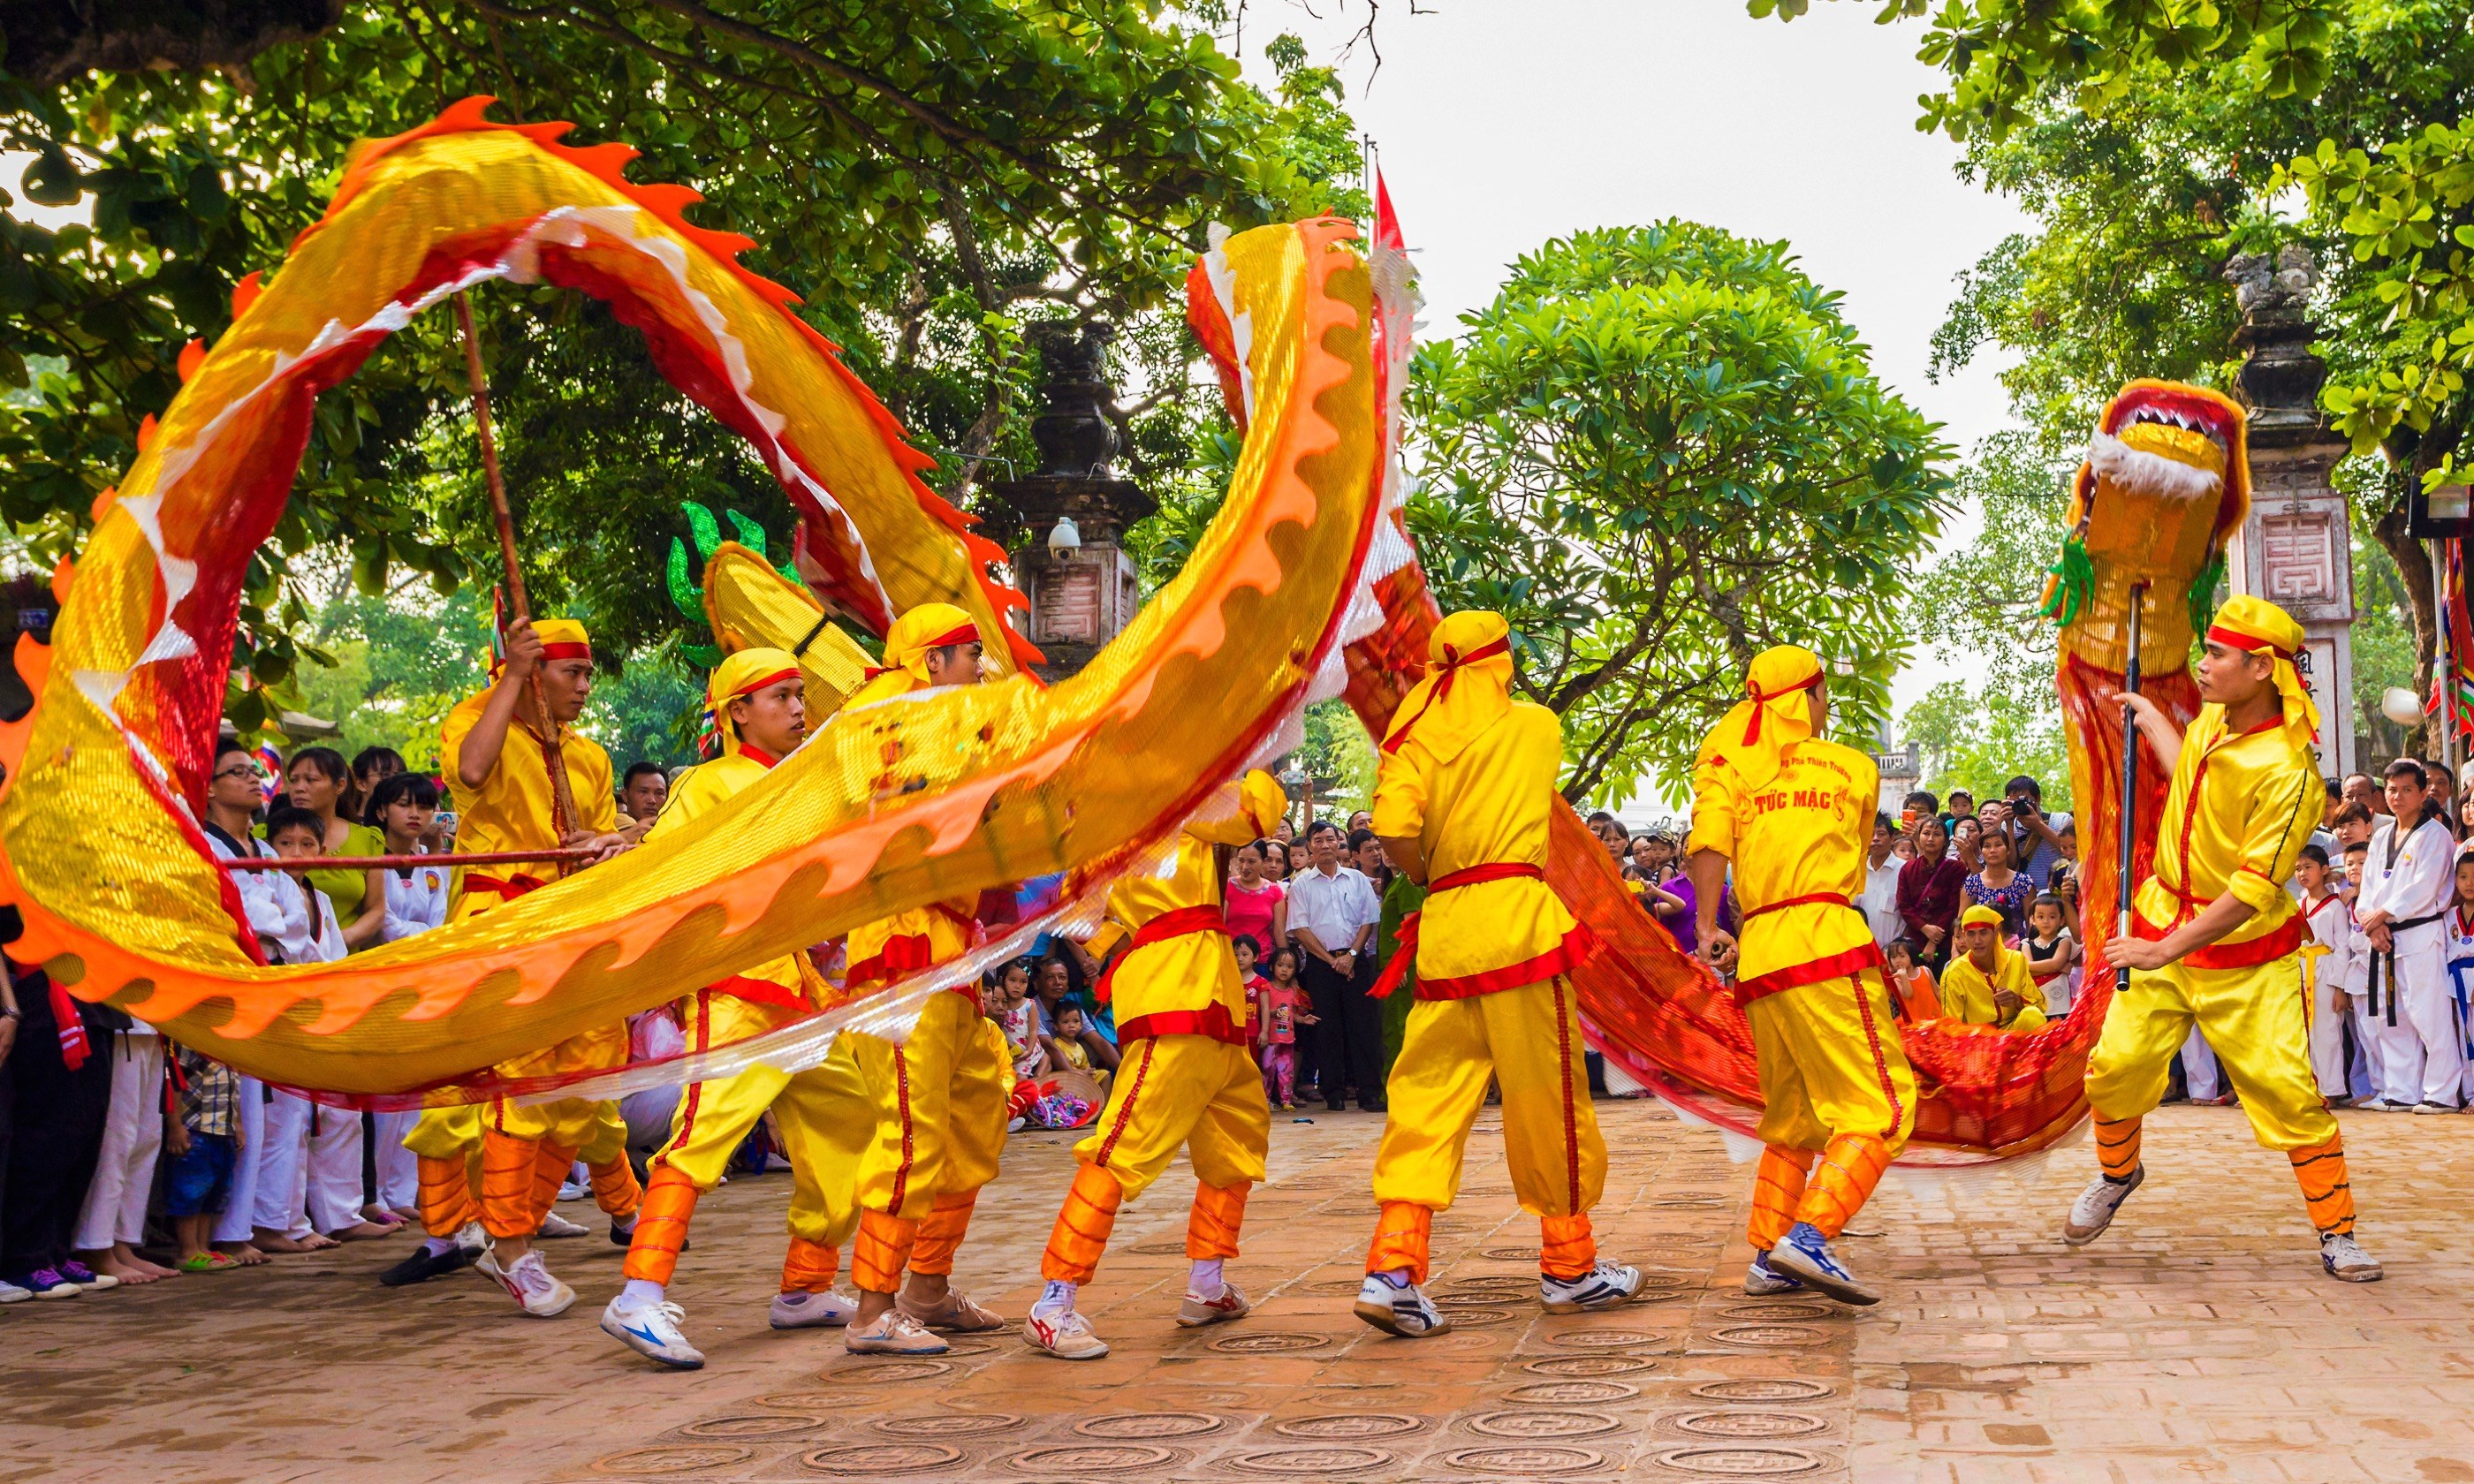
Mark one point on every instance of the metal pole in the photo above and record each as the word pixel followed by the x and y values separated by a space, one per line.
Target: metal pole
pixel 2129 782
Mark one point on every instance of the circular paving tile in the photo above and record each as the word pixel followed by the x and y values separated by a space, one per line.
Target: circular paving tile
pixel 1569 1393
pixel 1771 1336
pixel 865 1460
pixel 1522 1462
pixel 752 1424
pixel 1740 1463
pixel 1604 1339
pixel 1692 1202
pixel 1473 1317
pixel 673 1458
pixel 886 1372
pixel 1270 1342
pixel 1329 1462
pixel 1763 1388
pixel 1148 1426
pixel 1748 1424
pixel 1590 1365
pixel 947 1425
pixel 1791 1309
pixel 1533 1423
pixel 1506 1285
pixel 1093 1457
pixel 804 1401
pixel 1510 1253
pixel 1348 1426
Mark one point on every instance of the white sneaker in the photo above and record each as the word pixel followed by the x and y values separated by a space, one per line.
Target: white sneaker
pixel 1195 1310
pixel 805 1310
pixel 11 1293
pixel 2343 1259
pixel 2384 1104
pixel 574 1190
pixel 1761 1280
pixel 2434 1107
pixel 1607 1285
pixel 472 1238
pixel 556 1225
pixel 1405 1312
pixel 651 1329
pixel 892 1333
pixel 528 1281
pixel 2093 1211
pixel 1066 1335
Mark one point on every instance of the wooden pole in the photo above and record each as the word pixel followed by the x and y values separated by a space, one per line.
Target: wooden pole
pixel 2129 782
pixel 562 792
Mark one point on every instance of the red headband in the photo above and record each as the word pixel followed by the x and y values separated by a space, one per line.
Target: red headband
pixel 1760 702
pixel 564 650
pixel 1448 668
pixel 2247 643
pixel 968 633
pixel 752 687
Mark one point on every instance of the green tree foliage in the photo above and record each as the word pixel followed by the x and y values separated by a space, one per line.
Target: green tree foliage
pixel 1979 737
pixel 929 179
pixel 1660 450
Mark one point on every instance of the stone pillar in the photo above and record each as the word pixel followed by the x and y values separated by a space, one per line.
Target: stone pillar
pixel 2296 547
pixel 1080 596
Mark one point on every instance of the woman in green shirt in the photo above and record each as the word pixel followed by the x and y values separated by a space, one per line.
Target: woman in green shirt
pixel 317 780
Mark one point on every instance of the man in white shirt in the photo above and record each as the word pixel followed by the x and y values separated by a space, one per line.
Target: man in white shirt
pixel 1880 903
pixel 1332 916
pixel 2408 879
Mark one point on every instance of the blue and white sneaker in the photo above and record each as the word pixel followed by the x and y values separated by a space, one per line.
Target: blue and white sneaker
pixel 1607 1285
pixel 1403 1310
pixel 1761 1280
pixel 651 1329
pixel 2344 1260
pixel 2094 1209
pixel 1806 1255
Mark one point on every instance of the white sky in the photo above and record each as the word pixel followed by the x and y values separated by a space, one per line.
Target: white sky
pixel 1502 125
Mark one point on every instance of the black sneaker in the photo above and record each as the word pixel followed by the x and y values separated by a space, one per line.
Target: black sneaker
pixel 424 1265
pixel 1338 1105
pixel 624 1237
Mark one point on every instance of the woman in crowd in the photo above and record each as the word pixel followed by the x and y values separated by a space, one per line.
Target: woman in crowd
pixel 317 780
pixel 1929 893
pixel 1255 907
pixel 1052 992
pixel 1998 884
pixel 1967 844
pixel 1275 862
pixel 371 767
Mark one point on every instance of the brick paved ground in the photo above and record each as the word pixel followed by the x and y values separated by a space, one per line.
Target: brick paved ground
pixel 2197 1342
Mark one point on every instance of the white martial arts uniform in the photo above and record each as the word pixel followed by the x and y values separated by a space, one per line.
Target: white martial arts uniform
pixel 309 1177
pixel 2461 985
pixel 132 1137
pixel 261 899
pixel 2331 928
pixel 415 901
pixel 2421 1054
pixel 2199 1068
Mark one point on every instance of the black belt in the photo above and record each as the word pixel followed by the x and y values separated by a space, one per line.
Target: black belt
pixel 2373 984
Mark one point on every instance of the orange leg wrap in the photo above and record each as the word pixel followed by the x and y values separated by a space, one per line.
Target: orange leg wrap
pixel 1850 1167
pixel 1400 1237
pixel 810 1266
pixel 614 1188
pixel 550 1164
pixel 882 1251
pixel 507 1168
pixel 940 1234
pixel 1567 1247
pixel 1219 1213
pixel 1776 1187
pixel 1083 1226
pixel 447 1204
pixel 660 1225
pixel 2325 1189
pixel 2116 1146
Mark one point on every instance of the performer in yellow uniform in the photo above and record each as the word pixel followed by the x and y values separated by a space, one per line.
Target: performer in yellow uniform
pixel 1464 795
pixel 497 769
pixel 1188 1081
pixel 940 1097
pixel 2215 937
pixel 759 711
pixel 1793 814
pixel 1987 984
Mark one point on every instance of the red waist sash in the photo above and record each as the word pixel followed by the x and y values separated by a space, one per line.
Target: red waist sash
pixel 1179 922
pixel 1213 1020
pixel 1577 945
pixel 2267 948
pixel 507 890
pixel 1822 898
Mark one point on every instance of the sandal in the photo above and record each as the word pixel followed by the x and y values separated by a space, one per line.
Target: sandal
pixel 209 1262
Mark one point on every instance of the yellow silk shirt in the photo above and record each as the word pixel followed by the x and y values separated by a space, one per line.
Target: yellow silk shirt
pixel 1967 990
pixel 1189 971
pixel 1805 832
pixel 2241 808
pixel 1490 804
pixel 700 790
pixel 511 810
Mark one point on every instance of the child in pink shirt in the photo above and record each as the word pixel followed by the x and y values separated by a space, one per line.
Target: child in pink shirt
pixel 1283 1007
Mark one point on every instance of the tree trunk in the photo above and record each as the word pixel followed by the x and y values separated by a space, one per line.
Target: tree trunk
pixel 2413 573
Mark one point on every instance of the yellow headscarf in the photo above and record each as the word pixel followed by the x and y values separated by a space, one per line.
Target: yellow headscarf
pixel 561 638
pixel 1466 689
pixel 1979 915
pixel 931 626
pixel 2256 626
pixel 1771 715
pixel 743 673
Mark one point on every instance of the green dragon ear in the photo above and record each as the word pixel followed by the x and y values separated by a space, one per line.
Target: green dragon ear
pixel 700 522
pixel 750 534
pixel 705 655
pixel 687 594
pixel 2073 582
pixel 2203 597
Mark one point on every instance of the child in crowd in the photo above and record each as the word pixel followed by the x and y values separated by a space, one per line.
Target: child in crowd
pixel 2363 1071
pixel 2327 955
pixel 2459 936
pixel 301 1201
pixel 1284 1007
pixel 402 808
pixel 2052 954
pixel 1010 1007
pixel 1067 1048
pixel 203 1145
pixel 1243 945
pixel 1913 996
